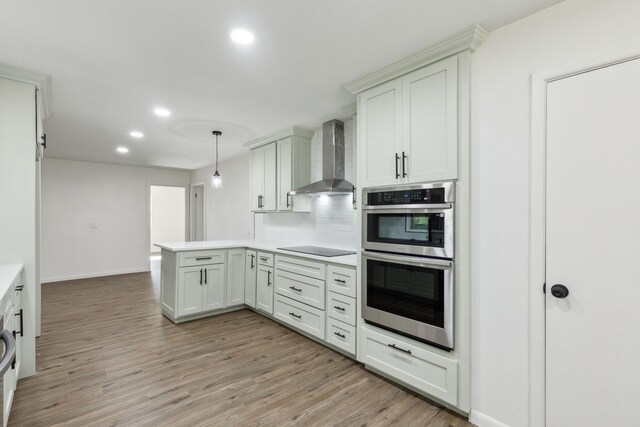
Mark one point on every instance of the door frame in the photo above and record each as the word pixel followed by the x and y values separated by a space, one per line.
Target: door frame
pixel 537 226
pixel 192 210
pixel 187 222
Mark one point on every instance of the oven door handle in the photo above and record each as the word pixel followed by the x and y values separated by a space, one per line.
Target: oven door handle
pixel 427 262
pixel 421 207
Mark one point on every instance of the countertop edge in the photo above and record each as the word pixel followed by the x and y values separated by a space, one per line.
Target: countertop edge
pixel 351 261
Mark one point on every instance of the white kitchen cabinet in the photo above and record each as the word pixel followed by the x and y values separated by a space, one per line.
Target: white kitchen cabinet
pixel 342 308
pixel 294 171
pixel 379 134
pixel 235 277
pixel 250 276
pixel 407 128
pixel 264 282
pixel 263 178
pixel 198 283
pixel 200 288
pixel 410 362
pixel 301 316
pixel 264 289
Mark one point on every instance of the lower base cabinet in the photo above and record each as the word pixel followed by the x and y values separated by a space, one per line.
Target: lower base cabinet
pixel 264 289
pixel 341 335
pixel 250 271
pixel 199 283
pixel 301 316
pixel 409 362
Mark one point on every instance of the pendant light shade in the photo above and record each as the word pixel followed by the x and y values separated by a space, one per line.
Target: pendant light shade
pixel 216 179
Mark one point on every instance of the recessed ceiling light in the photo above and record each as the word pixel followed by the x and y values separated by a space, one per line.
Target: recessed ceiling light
pixel 123 150
pixel 136 134
pixel 242 36
pixel 162 112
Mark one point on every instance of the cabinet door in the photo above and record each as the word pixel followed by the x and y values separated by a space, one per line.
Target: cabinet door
pixel 251 270
pixel 213 287
pixel 190 282
pixel 235 277
pixel 379 134
pixel 257 177
pixel 285 174
pixel 430 122
pixel 269 194
pixel 264 289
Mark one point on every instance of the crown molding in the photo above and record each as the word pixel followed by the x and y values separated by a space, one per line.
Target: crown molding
pixel 290 131
pixel 350 109
pixel 39 80
pixel 469 39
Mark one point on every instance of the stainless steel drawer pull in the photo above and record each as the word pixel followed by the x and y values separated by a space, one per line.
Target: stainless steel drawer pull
pixel 393 346
pixel 340 335
pixel 295 289
pixel 203 258
pixel 339 280
pixel 297 316
pixel 339 308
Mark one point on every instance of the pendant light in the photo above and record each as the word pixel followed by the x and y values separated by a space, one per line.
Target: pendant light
pixel 216 179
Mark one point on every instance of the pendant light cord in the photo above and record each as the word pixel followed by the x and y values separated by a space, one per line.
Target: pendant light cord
pixel 216 153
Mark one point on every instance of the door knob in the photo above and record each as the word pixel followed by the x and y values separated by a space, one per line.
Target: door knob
pixel 559 291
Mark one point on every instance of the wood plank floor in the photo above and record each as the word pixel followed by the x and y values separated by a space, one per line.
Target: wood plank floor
pixel 107 357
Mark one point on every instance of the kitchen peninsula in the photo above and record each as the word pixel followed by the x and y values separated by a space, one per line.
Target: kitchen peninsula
pixel 315 295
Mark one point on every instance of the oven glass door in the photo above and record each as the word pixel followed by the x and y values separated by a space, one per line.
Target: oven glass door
pixel 411 296
pixel 426 232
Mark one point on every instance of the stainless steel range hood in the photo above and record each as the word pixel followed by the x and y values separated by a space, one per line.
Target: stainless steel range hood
pixel 333 181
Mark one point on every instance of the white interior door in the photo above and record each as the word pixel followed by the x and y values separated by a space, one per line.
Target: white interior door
pixel 593 248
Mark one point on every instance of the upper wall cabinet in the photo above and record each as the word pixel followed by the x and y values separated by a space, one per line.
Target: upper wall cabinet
pixel 291 159
pixel 294 171
pixel 263 178
pixel 408 127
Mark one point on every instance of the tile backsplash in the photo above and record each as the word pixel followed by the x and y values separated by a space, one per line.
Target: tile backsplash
pixel 332 220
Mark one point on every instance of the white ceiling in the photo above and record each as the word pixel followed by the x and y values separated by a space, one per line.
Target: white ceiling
pixel 113 61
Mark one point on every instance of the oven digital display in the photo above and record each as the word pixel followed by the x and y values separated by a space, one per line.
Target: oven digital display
pixel 406 197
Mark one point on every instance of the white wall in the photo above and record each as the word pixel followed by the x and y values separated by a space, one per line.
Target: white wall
pixel 332 220
pixel 227 209
pixel 168 215
pixel 576 32
pixel 77 196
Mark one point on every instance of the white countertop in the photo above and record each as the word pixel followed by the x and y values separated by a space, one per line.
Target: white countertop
pixel 350 260
pixel 8 273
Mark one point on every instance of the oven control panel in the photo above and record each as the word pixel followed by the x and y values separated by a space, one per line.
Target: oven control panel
pixel 407 197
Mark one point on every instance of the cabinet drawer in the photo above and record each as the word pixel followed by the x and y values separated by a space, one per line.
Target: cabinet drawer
pixel 341 280
pixel 427 371
pixel 300 288
pixel 265 259
pixel 342 308
pixel 301 316
pixel 189 258
pixel 312 269
pixel 341 335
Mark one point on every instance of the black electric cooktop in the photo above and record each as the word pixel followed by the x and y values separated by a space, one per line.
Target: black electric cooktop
pixel 318 250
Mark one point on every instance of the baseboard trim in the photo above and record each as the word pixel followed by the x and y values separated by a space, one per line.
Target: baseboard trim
pixel 482 420
pixel 91 275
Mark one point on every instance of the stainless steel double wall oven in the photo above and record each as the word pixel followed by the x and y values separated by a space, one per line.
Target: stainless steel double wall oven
pixel 408 260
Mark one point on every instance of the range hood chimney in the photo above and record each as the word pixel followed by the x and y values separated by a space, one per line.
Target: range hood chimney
pixel 333 181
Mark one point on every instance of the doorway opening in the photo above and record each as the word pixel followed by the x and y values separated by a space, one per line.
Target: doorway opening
pixel 167 216
pixel 197 213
